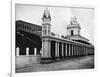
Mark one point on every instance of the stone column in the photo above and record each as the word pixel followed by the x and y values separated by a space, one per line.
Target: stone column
pixel 35 51
pixel 66 49
pixel 42 48
pixel 62 50
pixel 27 51
pixel 75 50
pixel 69 49
pixel 56 49
pixel 72 51
pixel 46 48
pixel 49 48
pixel 84 50
pixel 17 51
pixel 81 50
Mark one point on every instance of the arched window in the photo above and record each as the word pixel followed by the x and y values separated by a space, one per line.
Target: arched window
pixel 72 32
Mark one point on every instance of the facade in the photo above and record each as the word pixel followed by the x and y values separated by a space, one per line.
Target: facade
pixel 40 41
pixel 73 31
pixel 54 48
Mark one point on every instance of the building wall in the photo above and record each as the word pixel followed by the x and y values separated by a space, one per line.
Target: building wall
pixel 75 31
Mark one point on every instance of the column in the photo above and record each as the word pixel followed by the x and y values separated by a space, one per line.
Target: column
pixel 81 50
pixel 86 51
pixel 49 48
pixel 69 49
pixel 46 48
pixel 66 49
pixel 58 48
pixel 75 50
pixel 78 50
pixel 17 51
pixel 62 50
pixel 35 51
pixel 42 48
pixel 27 51
pixel 72 50
pixel 56 53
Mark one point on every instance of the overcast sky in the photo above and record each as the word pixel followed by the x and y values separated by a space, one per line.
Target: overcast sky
pixel 60 18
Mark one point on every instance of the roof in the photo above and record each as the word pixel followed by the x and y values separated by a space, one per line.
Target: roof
pixel 29 24
pixel 78 38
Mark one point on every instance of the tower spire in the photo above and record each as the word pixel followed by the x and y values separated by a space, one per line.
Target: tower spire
pixel 46 14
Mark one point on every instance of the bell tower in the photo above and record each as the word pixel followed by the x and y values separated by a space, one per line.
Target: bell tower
pixel 46 25
pixel 73 28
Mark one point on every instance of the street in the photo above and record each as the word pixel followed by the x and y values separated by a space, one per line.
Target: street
pixel 85 62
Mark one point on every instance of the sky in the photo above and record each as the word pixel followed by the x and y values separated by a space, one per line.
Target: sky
pixel 60 18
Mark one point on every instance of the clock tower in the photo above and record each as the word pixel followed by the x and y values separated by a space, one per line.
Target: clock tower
pixel 46 25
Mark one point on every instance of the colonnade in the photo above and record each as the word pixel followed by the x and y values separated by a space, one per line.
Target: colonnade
pixel 18 51
pixel 54 49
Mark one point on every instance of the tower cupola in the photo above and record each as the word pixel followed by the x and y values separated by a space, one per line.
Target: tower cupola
pixel 74 27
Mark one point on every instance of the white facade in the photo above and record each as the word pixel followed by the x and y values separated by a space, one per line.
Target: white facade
pixel 46 25
pixel 73 28
pixel 73 31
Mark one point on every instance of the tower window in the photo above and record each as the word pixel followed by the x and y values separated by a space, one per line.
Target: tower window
pixel 72 32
